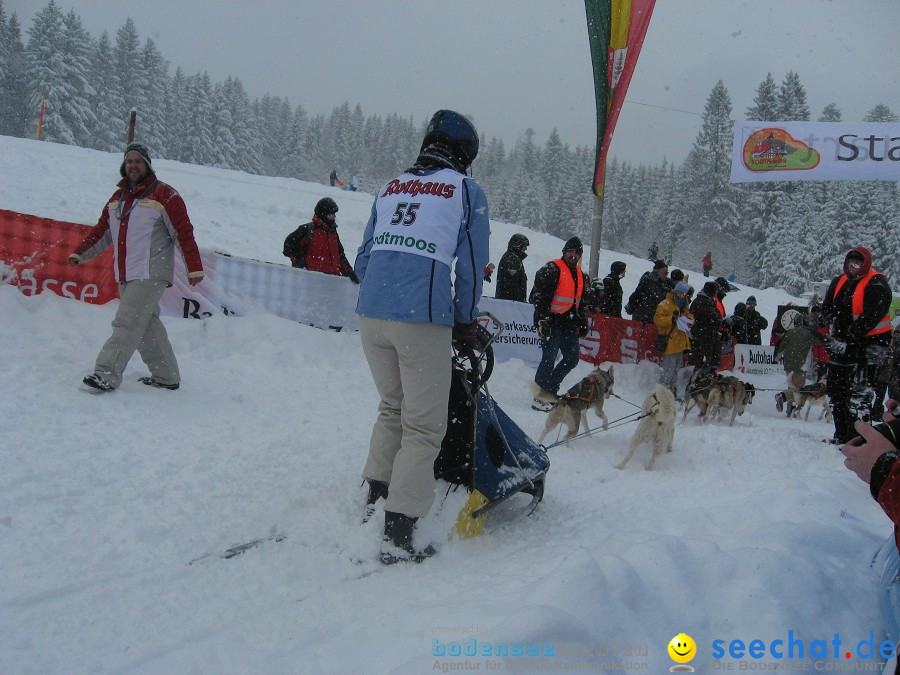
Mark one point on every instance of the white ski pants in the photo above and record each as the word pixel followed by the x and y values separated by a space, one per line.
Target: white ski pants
pixel 410 364
pixel 137 326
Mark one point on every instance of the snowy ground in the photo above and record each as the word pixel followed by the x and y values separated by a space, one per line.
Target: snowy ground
pixel 743 533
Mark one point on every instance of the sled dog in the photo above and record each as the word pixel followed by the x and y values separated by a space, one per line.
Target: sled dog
pixel 810 395
pixel 656 425
pixel 572 407
pixel 701 392
pixel 731 394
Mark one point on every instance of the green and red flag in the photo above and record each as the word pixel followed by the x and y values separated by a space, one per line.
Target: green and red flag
pixel 616 30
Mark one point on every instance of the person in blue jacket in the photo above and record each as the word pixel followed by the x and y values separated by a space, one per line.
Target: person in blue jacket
pixel 410 311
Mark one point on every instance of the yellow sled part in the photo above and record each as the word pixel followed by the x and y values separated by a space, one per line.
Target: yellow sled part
pixel 468 525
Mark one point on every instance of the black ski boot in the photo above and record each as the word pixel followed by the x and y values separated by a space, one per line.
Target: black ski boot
pixel 397 544
pixel 377 489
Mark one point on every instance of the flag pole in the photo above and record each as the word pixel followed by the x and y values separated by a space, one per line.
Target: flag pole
pixel 596 237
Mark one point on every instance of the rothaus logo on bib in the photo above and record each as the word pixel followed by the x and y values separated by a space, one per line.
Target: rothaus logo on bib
pixel 420 215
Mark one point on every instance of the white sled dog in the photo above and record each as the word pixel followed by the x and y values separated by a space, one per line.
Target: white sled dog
pixel 656 426
pixel 572 407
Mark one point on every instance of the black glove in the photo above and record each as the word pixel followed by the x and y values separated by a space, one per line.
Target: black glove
pixel 835 346
pixel 583 329
pixel 544 329
pixel 464 335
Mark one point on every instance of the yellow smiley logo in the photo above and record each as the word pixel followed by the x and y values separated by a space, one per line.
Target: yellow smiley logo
pixel 682 648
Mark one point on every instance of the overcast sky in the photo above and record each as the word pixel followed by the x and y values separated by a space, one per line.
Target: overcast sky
pixel 515 64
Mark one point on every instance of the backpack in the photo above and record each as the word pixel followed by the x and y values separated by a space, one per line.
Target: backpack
pixel 296 245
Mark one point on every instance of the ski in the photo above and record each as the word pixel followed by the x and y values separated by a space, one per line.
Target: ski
pixel 235 551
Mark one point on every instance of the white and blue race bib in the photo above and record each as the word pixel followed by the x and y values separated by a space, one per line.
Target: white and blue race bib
pixel 420 215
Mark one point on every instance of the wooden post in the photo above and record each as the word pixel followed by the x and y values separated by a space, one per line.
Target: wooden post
pixel 131 123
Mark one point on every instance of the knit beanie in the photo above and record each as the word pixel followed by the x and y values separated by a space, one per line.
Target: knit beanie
pixel 574 244
pixel 139 148
pixel 681 287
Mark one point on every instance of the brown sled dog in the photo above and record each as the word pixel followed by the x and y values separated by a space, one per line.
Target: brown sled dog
pixel 810 395
pixel 731 394
pixel 656 425
pixel 701 392
pixel 572 407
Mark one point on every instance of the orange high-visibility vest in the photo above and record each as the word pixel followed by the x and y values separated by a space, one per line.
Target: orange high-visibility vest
pixel 568 289
pixel 720 307
pixel 856 307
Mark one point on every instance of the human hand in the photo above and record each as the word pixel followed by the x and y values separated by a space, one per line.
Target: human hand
pixel 863 451
pixel 891 410
pixel 464 335
pixel 835 346
pixel 193 281
pixel 544 329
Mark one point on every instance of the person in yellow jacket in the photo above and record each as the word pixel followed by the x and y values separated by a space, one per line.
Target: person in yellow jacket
pixel 673 318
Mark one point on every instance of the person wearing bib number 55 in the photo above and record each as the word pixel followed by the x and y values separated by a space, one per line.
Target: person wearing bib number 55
pixel 410 311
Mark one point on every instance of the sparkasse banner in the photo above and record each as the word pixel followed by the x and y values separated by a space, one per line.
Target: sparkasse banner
pixel 799 151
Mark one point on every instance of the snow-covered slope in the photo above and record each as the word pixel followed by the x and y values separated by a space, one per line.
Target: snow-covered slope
pixel 745 533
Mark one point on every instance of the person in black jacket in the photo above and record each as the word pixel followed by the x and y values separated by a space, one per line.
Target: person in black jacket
pixel 737 324
pixel 512 282
pixel 706 333
pixel 611 302
pixel 651 290
pixel 756 322
pixel 560 294
pixel 856 307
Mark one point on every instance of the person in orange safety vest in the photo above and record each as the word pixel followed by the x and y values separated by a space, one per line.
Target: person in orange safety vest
pixel 856 307
pixel 560 295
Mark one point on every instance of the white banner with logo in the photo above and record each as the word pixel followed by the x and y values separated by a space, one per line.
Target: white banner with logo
pixel 800 151
pixel 756 364
pixel 519 339
pixel 241 286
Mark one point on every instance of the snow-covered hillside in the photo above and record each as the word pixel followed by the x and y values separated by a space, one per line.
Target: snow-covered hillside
pixel 743 533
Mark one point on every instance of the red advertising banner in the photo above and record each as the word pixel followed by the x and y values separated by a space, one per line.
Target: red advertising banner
pixel 33 254
pixel 624 341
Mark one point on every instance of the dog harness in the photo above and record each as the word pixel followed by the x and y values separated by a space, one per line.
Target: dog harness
pixel 583 391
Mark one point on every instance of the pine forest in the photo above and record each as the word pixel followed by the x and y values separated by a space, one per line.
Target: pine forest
pixel 783 235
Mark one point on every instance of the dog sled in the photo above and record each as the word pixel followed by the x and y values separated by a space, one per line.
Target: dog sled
pixel 484 451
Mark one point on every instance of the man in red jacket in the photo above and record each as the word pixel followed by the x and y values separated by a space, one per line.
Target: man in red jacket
pixel 316 246
pixel 143 221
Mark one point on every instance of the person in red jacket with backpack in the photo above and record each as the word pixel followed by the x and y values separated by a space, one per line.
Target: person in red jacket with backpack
pixel 316 245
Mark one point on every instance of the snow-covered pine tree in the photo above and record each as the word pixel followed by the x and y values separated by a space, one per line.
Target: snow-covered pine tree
pixel 198 148
pixel 78 50
pixel 129 72
pixel 224 144
pixel 830 113
pixel 152 121
pixel 765 104
pixel 13 92
pixel 712 201
pixel 46 73
pixel 109 132
pixel 792 103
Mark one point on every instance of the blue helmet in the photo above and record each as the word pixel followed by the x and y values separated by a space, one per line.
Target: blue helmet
pixel 454 131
